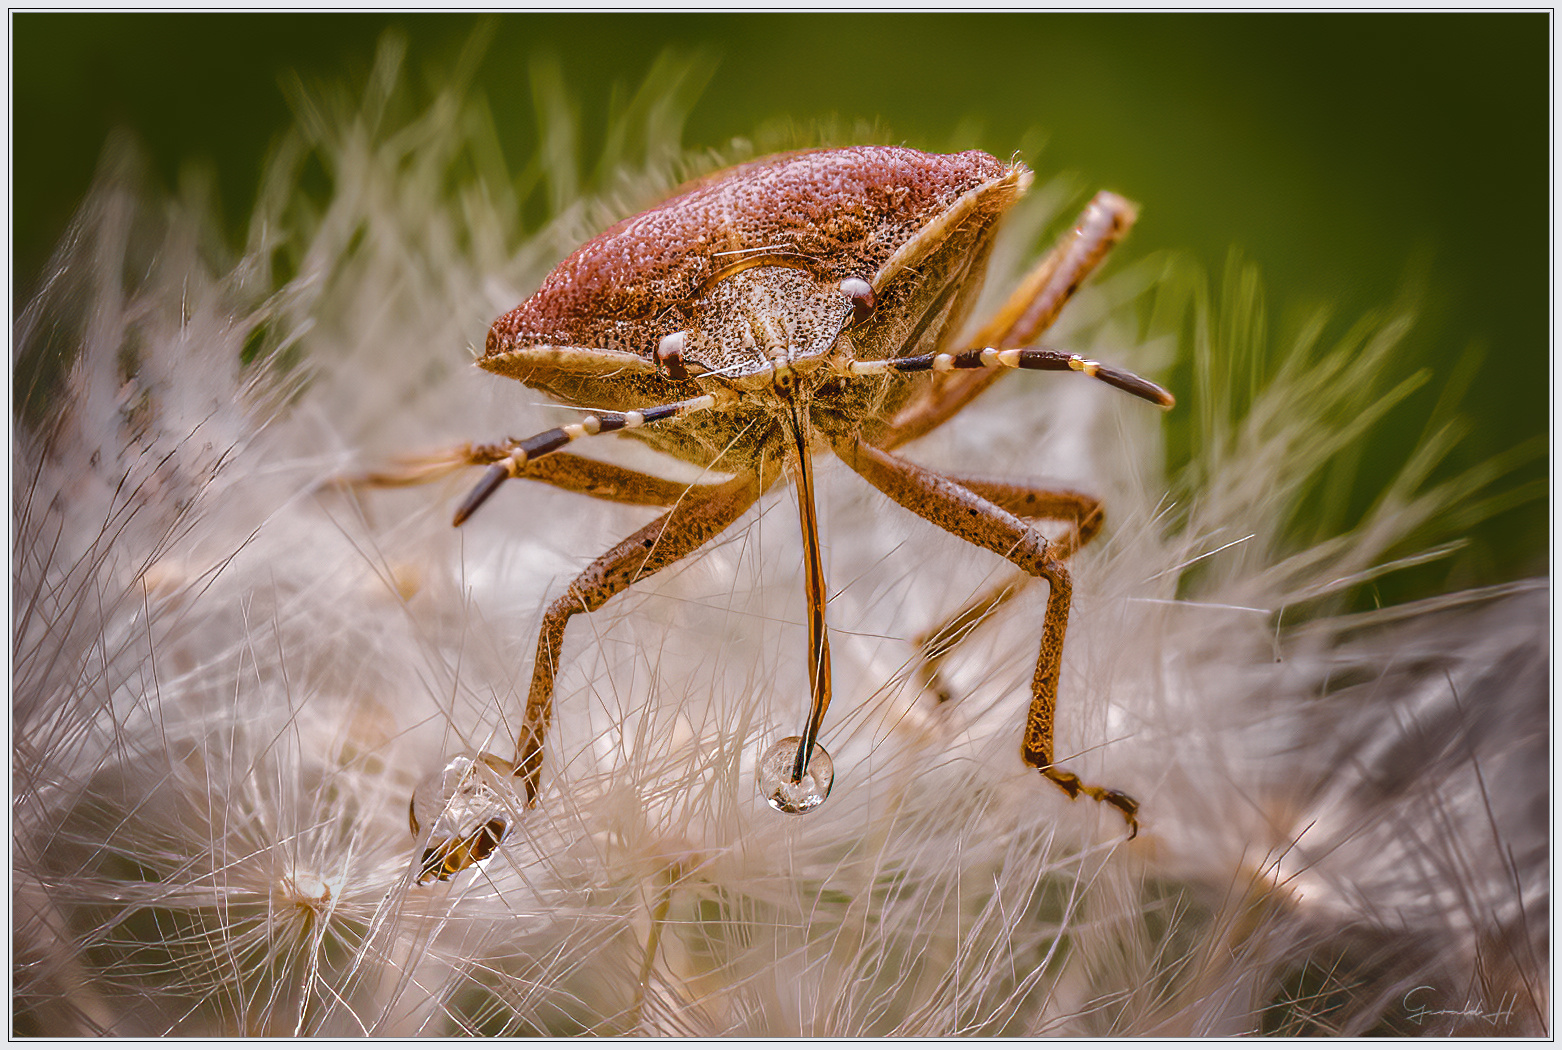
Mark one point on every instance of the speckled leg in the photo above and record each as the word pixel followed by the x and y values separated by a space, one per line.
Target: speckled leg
pixel 956 509
pixel 1082 512
pixel 670 538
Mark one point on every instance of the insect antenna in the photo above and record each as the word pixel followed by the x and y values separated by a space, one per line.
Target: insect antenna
pixel 1040 359
pixel 549 441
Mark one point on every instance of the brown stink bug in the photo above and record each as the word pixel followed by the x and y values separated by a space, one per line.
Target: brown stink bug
pixel 796 304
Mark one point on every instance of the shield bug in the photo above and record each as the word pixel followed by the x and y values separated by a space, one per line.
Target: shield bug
pixel 798 304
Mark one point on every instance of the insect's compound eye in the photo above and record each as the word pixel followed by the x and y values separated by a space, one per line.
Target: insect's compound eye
pixel 669 355
pixel 860 293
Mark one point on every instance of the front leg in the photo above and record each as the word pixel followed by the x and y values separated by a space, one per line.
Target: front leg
pixel 1085 516
pixel 464 803
pixel 956 509
pixel 670 538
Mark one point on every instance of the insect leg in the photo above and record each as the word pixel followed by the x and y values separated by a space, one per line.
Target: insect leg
pixel 671 537
pixel 1082 512
pixel 589 477
pixel 463 804
pixel 615 484
pixel 956 509
pixel 1031 310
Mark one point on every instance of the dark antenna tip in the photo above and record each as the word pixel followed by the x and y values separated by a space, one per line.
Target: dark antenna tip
pixel 497 475
pixel 1135 385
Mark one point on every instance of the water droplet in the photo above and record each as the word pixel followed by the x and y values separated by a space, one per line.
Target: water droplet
pixel 794 796
pixel 468 807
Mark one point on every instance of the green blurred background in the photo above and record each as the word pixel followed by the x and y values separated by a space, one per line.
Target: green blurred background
pixel 1350 156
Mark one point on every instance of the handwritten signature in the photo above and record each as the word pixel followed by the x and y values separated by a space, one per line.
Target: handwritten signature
pixel 1419 1013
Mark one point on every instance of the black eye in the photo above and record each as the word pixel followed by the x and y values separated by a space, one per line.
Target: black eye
pixel 860 293
pixel 669 354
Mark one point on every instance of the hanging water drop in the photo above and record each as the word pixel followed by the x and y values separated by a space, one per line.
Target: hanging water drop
pixel 468 807
pixel 776 783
